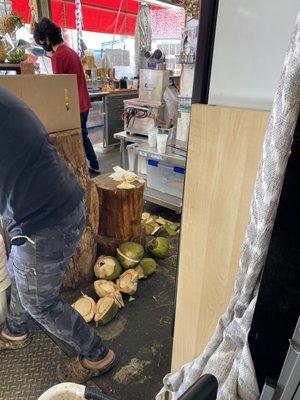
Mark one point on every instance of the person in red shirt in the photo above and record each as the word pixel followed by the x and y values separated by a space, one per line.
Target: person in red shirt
pixel 66 61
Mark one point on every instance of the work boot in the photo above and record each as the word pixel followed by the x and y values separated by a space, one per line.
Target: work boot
pixel 80 370
pixel 6 344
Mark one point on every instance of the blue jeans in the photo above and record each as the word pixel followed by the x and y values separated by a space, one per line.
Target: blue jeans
pixel 37 270
pixel 88 147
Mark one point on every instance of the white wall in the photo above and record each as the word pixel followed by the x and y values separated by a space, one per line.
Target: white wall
pixel 252 37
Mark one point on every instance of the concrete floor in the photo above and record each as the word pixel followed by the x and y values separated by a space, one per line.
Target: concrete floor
pixel 141 335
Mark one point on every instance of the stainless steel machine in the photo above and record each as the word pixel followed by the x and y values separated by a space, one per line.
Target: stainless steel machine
pixel 148 110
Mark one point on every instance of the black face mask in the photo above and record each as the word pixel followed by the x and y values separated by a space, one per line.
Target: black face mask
pixel 47 47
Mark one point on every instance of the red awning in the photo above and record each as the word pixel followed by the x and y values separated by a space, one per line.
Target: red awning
pixel 98 15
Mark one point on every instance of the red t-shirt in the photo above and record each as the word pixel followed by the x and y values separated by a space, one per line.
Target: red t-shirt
pixel 66 61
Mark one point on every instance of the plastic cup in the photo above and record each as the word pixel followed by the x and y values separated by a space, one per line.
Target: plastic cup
pixel 152 138
pixel 162 140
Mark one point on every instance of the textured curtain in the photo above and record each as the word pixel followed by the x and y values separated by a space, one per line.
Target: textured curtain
pixel 5 7
pixel 227 355
pixel 143 37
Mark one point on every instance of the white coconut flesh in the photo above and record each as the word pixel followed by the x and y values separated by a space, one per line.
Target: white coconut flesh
pixel 103 287
pixel 125 185
pixel 145 216
pixel 126 281
pixel 104 267
pixel 103 306
pixel 118 299
pixel 108 269
pixel 85 306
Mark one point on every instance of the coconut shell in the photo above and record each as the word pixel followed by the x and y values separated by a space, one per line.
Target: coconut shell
pixel 172 229
pixel 107 268
pixel 106 310
pixel 128 282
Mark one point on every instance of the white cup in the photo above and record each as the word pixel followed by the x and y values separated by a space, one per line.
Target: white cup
pixel 152 137
pixel 162 140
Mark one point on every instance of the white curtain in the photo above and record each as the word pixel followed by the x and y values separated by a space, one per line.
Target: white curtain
pixel 227 355
pixel 143 36
pixel 5 7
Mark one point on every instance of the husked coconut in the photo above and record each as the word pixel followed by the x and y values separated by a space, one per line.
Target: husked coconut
pixel 108 268
pixel 117 297
pixel 145 216
pixel 103 287
pixel 128 282
pixel 106 310
pixel 86 307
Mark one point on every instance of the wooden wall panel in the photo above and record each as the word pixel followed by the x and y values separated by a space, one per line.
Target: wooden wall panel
pixel 224 151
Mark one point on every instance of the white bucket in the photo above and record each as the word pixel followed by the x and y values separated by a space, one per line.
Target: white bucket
pixel 4 281
pixel 64 391
pixel 3 306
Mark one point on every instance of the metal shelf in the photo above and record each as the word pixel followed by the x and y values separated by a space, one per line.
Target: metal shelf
pixel 163 199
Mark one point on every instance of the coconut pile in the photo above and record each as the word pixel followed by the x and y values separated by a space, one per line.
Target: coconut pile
pixel 155 225
pixel 119 276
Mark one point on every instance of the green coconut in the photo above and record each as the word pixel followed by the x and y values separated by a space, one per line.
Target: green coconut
pixel 106 310
pixel 146 267
pixel 107 268
pixel 130 254
pixel 154 217
pixel 159 247
pixel 172 229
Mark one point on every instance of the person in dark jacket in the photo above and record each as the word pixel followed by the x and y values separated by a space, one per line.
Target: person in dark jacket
pixel 44 203
pixel 65 60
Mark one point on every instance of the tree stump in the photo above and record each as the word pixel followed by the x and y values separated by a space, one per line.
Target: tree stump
pixel 120 213
pixel 70 147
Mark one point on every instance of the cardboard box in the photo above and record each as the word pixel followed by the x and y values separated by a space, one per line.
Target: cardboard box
pixel 53 98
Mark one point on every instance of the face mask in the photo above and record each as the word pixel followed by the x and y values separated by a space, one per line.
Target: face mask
pixel 47 47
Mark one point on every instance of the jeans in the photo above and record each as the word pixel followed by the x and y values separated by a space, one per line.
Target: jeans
pixel 37 269
pixel 88 147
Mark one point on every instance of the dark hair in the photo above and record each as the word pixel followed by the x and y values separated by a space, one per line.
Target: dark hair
pixel 46 28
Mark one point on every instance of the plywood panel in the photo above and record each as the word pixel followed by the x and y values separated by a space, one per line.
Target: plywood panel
pixel 224 151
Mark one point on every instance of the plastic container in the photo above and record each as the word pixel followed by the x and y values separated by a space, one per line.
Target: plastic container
pixel 165 178
pixel 64 391
pixel 131 155
pixel 142 162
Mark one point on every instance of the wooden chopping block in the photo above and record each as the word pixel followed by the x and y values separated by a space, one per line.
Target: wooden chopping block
pixel 120 209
